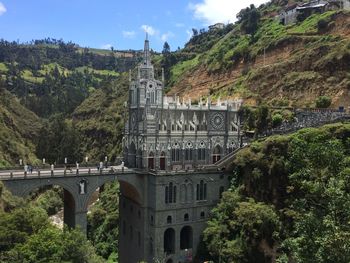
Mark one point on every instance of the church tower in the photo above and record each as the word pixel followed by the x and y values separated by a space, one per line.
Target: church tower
pixel 145 89
pixel 145 99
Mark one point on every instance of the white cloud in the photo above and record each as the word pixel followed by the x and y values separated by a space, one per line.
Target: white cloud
pixel 106 46
pixel 2 9
pixel 215 11
pixel 129 34
pixel 164 37
pixel 148 29
pixel 179 25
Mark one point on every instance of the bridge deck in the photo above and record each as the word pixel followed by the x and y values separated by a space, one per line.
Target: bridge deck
pixel 46 173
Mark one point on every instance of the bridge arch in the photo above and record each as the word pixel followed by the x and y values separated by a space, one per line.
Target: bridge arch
pixel 127 189
pixel 71 203
pixel 78 191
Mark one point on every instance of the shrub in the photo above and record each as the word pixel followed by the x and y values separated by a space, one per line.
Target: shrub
pixel 323 102
pixel 277 120
pixel 322 24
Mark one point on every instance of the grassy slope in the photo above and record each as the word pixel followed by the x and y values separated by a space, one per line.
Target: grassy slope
pixel 18 128
pixel 301 63
pixel 100 119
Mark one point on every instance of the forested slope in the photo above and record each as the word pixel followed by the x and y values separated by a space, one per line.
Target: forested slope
pixel 19 129
pixel 49 80
pixel 288 200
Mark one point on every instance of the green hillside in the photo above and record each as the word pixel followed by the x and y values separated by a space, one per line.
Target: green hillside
pixel 52 84
pixel 100 119
pixel 19 127
pixel 281 65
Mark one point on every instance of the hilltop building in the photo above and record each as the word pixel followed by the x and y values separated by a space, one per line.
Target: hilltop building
pixel 168 141
pixel 291 13
pixel 217 26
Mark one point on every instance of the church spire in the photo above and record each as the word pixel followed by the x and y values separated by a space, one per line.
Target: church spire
pixel 146 55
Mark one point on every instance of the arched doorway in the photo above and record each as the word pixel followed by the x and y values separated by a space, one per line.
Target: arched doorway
pixel 151 161
pixel 132 155
pixel 217 154
pixel 186 238
pixel 162 161
pixel 169 241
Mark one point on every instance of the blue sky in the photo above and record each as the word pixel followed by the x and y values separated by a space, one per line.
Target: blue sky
pixel 121 24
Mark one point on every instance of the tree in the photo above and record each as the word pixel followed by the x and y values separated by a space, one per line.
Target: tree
pixel 249 19
pixel 262 119
pixel 237 227
pixel 59 139
pixel 194 32
pixel 166 48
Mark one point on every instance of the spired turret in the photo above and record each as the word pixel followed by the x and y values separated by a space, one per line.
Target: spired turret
pixel 146 90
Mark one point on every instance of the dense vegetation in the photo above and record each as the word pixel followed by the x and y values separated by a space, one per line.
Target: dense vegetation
pixel 18 127
pixel 26 235
pixel 288 201
pixel 103 221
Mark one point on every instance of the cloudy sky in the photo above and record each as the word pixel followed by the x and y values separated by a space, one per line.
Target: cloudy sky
pixel 121 24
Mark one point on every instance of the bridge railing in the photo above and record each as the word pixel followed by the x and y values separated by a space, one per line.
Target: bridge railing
pixel 14 174
pixel 69 165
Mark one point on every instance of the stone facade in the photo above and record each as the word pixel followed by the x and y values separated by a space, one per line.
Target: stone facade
pixel 170 139
pixel 168 224
pixel 164 133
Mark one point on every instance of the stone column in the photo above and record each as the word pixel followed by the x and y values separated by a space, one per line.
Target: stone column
pixel 81 220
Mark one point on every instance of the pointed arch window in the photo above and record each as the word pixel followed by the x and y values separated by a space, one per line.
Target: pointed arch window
pixel 170 193
pixel 201 191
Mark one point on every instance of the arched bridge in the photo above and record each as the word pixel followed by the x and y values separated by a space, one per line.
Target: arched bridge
pixel 79 186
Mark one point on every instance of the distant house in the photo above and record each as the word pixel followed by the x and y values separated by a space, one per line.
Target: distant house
pixel 307 9
pixel 346 4
pixel 217 26
pixel 291 13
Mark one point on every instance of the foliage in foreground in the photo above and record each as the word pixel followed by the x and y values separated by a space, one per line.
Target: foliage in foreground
pixel 289 201
pixel 26 235
pixel 103 222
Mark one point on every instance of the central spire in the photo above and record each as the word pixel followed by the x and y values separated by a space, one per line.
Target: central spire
pixel 146 55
